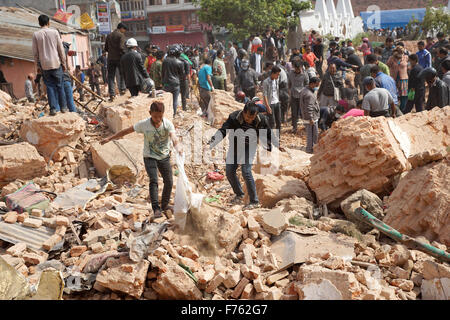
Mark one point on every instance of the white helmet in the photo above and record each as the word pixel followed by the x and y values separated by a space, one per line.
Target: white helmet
pixel 131 43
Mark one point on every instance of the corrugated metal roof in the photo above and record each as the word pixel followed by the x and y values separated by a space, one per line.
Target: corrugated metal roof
pixel 17 26
pixel 34 238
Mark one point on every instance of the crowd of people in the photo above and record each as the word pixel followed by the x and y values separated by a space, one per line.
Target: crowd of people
pixel 316 84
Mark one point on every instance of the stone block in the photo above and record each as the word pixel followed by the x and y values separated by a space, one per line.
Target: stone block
pixel 32 223
pixel 274 222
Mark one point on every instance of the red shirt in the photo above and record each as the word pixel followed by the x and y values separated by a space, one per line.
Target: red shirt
pixel 310 58
pixel 354 113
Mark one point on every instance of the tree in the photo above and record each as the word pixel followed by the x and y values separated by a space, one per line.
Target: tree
pixel 245 17
pixel 436 20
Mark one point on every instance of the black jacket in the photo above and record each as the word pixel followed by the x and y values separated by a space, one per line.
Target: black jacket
pixel 439 95
pixel 133 69
pixel 172 72
pixel 186 68
pixel 415 82
pixel 247 79
pixel 115 45
pixel 236 121
pixel 253 62
pixel 354 60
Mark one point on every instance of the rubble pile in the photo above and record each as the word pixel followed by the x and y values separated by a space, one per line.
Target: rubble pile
pixel 101 234
pixel 222 103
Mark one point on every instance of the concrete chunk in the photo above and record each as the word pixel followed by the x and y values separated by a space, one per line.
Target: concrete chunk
pixel 274 222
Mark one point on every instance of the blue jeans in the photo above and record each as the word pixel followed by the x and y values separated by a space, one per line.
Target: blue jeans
pixel 69 96
pixel 248 177
pixel 53 79
pixel 175 91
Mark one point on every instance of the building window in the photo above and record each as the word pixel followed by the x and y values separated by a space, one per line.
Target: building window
pixel 175 20
pixel 154 2
pixel 193 18
pixel 158 21
pixel 173 1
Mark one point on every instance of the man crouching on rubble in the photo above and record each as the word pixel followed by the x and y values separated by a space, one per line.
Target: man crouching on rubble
pixel 244 128
pixel 157 131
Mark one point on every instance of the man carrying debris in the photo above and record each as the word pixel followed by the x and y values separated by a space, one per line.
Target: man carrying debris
pixel 49 56
pixel 158 132
pixel 377 101
pixel 244 128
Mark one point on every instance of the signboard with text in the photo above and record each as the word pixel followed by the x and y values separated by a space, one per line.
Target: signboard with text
pixel 179 28
pixel 104 18
pixel 159 30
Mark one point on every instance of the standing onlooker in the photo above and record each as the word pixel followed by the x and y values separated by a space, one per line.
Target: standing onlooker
pixel 156 70
pixel 430 44
pixel 94 75
pixel 206 86
pixel 256 60
pixel 350 94
pixel 247 80
pixel 311 113
pixel 271 91
pixel 29 88
pixel 310 57
pixel 280 43
pixel 298 79
pixel 186 80
pixel 372 59
pixel 355 60
pixel 398 66
pixel 50 59
pixel 327 91
pixel 67 80
pixel 446 71
pixel 230 56
pixel 219 72
pixel 133 69
pixel 388 50
pixel 172 75
pixel 384 81
pixel 318 52
pixel 104 63
pixel 425 59
pixel 79 74
pixel 416 85
pixel 115 46
pixel 439 91
pixel 442 55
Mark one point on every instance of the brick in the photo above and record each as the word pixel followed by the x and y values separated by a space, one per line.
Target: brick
pixel 61 230
pixel 277 276
pixel 17 250
pixel 21 217
pixel 253 225
pixel 206 276
pixel 62 221
pixel 405 285
pixel 217 281
pixel 232 279
pixel 239 288
pixel 274 294
pixel 77 251
pixel 33 259
pixel 32 223
pixel 10 217
pixel 258 285
pixel 97 247
pixel 114 216
pixel 247 292
pixel 282 283
pixel 51 242
pixel 37 213
pixel 189 252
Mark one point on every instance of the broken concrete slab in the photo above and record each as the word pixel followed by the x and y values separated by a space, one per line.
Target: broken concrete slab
pixel 419 205
pixel 292 248
pixel 175 284
pixel 436 289
pixel 274 222
pixel 20 161
pixel 367 153
pixel 271 189
pixel 321 289
pixel 344 281
pixel 222 103
pixel 49 133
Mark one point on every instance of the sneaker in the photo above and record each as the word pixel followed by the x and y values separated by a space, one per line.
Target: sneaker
pixel 237 200
pixel 252 206
pixel 157 213
pixel 52 112
pixel 64 110
pixel 168 208
pixel 122 93
pixel 111 99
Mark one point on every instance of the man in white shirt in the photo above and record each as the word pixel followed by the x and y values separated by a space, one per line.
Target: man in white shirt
pixel 271 89
pixel 256 60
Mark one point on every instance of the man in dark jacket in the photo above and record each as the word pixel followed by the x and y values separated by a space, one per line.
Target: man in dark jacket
pixel 256 60
pixel 245 128
pixel 318 52
pixel 133 68
pixel 184 83
pixel 331 80
pixel 247 80
pixel 172 75
pixel 439 94
pixel 416 84
pixel 115 46
pixel 311 112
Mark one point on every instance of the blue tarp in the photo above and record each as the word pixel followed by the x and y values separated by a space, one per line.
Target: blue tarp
pixel 391 18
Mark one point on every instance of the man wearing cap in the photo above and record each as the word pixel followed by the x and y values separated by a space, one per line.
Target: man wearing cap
pixel 377 101
pixel 133 69
pixel 115 46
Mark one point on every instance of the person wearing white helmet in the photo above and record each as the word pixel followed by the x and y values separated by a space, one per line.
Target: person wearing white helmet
pixel 133 69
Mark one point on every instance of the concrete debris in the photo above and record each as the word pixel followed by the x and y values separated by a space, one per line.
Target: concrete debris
pixel 420 204
pixel 436 289
pixel 222 103
pixel 367 153
pixel 317 290
pixel 20 161
pixel 274 222
pixel 49 133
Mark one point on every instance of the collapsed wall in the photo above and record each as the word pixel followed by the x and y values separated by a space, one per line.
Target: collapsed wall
pixel 367 153
pixel 420 204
